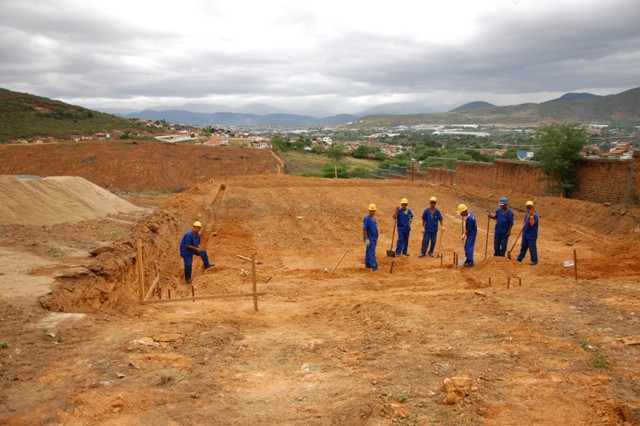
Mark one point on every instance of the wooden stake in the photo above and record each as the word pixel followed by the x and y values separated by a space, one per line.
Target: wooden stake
pixel 193 292
pixel 253 279
pixel 489 281
pixel 140 269
pixel 508 281
pixel 340 261
pixel 169 293
pixel 486 244
pixel 391 269
pixel 519 282
pixel 575 264
pixel 184 299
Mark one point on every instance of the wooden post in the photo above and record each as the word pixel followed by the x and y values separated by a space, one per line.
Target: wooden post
pixel 391 269
pixel 253 279
pixel 508 281
pixel 489 281
pixel 486 244
pixel 575 264
pixel 140 269
pixel 519 282
pixel 193 292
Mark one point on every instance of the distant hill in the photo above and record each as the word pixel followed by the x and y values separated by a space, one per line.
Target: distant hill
pixel 622 109
pixel 574 97
pixel 24 116
pixel 473 105
pixel 239 119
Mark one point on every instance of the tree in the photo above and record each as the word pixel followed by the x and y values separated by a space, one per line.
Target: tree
pixel 559 154
pixel 336 152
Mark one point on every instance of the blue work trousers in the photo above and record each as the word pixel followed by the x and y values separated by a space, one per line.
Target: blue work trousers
pixel 531 245
pixel 500 242
pixel 403 241
pixel 188 263
pixel 469 245
pixel 370 255
pixel 429 242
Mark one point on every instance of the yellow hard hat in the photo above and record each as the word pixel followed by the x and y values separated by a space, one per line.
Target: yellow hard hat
pixel 404 201
pixel 433 199
pixel 462 208
pixel 530 203
pixel 372 207
pixel 197 224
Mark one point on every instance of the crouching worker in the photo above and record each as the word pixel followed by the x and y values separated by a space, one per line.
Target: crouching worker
pixel 189 246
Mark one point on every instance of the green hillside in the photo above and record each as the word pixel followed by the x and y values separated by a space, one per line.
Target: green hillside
pixel 25 116
pixel 620 110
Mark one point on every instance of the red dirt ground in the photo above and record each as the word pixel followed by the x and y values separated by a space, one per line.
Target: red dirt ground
pixel 349 347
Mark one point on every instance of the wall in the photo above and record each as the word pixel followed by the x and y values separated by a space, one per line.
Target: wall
pixel 616 181
pixel 474 174
pixel 520 176
pixel 602 180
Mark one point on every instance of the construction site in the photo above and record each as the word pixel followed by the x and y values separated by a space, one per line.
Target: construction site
pixel 97 325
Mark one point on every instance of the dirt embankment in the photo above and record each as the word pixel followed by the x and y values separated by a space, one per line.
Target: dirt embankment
pixel 132 166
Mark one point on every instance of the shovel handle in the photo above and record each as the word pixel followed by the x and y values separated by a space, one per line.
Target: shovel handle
pixel 517 238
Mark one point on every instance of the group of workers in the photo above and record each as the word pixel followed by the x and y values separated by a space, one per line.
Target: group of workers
pixel 432 221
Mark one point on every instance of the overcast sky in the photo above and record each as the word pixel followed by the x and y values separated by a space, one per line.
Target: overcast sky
pixel 333 56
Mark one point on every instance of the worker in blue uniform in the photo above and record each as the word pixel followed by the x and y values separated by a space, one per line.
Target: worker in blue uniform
pixel 504 222
pixel 190 246
pixel 370 236
pixel 430 219
pixel 530 235
pixel 403 217
pixel 469 234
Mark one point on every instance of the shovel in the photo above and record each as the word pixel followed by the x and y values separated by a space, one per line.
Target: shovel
pixel 464 259
pixel 391 252
pixel 440 244
pixel 515 242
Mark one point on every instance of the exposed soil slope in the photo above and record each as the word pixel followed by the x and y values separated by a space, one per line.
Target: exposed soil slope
pixel 136 166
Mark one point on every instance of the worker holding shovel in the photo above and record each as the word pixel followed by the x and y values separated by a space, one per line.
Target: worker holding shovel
pixel 530 235
pixel 504 222
pixel 370 236
pixel 403 217
pixel 430 218
pixel 469 234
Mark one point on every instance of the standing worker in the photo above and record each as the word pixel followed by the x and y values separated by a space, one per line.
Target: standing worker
pixel 504 223
pixel 189 246
pixel 430 219
pixel 403 217
pixel 469 234
pixel 370 236
pixel 530 234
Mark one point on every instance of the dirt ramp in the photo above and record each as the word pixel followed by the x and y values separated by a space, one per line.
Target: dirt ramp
pixel 54 200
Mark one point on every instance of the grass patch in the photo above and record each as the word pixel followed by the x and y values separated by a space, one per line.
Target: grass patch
pixel 304 163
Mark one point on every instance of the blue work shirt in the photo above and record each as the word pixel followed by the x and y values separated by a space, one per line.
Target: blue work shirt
pixel 431 219
pixel 470 225
pixel 371 226
pixel 504 221
pixel 530 231
pixel 404 217
pixel 189 238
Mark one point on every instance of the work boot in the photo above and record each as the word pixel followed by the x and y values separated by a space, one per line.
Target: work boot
pixel 422 255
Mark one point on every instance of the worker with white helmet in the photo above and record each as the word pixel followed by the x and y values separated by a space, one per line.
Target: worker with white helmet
pixel 502 231
pixel 430 219
pixel 530 234
pixel 469 234
pixel 403 217
pixel 370 236
pixel 190 246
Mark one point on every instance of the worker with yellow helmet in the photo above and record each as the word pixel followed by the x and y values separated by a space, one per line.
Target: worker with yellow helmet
pixel 469 234
pixel 529 234
pixel 430 218
pixel 190 246
pixel 403 217
pixel 370 236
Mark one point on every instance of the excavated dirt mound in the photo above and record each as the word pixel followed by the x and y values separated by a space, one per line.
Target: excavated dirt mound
pixel 53 200
pixel 430 343
pixel 133 166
